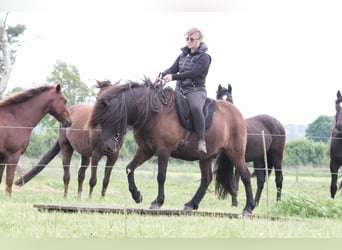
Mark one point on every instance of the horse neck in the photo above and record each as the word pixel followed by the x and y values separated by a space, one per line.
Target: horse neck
pixel 33 110
pixel 137 111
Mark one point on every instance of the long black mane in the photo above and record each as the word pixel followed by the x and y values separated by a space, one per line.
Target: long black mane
pixel 112 106
pixel 24 95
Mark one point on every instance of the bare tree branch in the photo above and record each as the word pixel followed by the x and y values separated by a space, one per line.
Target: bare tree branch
pixel 6 56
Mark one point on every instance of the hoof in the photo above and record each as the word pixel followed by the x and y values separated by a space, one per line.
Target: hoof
pixel 234 204
pixel 154 206
pixel 138 199
pixel 187 208
pixel 247 213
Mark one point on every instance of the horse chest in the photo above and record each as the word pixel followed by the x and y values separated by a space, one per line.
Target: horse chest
pixel 336 149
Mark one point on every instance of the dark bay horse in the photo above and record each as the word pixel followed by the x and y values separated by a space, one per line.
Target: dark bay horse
pixel 20 113
pixel 80 139
pixel 150 110
pixel 274 143
pixel 336 146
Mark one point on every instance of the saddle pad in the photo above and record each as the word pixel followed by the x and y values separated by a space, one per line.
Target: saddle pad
pixel 184 115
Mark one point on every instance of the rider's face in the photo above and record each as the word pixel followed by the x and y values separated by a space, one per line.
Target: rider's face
pixel 193 40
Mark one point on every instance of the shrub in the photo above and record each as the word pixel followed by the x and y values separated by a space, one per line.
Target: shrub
pixel 307 207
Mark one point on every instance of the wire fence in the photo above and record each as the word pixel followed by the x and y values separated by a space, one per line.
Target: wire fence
pixel 261 134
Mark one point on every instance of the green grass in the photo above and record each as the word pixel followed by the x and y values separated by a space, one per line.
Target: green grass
pixel 305 211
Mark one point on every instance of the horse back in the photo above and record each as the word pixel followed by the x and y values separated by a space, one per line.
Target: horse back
pixel 275 137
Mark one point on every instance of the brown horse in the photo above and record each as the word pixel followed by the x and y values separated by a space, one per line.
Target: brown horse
pixel 20 113
pixel 274 143
pixel 151 111
pixel 80 139
pixel 336 146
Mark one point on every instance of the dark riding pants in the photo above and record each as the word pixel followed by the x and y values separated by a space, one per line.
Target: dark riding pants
pixel 196 100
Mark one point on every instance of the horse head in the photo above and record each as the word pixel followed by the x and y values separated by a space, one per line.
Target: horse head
pixel 338 116
pixel 109 117
pixel 59 108
pixel 223 93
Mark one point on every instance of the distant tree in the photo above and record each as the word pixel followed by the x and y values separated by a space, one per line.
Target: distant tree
pixel 303 152
pixel 320 129
pixel 75 90
pixel 9 41
pixel 69 77
pixel 14 90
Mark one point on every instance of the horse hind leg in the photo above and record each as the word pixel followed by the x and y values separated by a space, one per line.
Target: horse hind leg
pixel 245 176
pixel 260 172
pixel 278 179
pixel 236 187
pixel 206 178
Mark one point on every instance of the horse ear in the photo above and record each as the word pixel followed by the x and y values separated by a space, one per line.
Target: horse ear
pixel 338 94
pixel 98 83
pixel 58 88
pixel 219 87
pixel 229 88
pixel 117 83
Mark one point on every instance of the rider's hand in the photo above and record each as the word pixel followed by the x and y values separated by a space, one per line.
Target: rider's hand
pixel 168 78
pixel 157 79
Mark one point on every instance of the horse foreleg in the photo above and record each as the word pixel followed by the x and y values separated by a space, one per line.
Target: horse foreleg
pixel 67 152
pixel 108 170
pixel 93 177
pixel 334 172
pixel 206 177
pixel 10 171
pixel 163 160
pixel 81 175
pixel 2 168
pixel 139 158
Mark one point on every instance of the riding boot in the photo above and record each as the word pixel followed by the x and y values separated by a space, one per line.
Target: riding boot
pixel 202 148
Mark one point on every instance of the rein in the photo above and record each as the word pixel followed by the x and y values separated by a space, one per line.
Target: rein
pixel 160 91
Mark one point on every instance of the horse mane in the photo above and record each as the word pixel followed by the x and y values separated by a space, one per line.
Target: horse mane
pixel 111 107
pixel 24 95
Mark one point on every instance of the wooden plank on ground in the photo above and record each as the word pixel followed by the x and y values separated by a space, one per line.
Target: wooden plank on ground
pixel 140 211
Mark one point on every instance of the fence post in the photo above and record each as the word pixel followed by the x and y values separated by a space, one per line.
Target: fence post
pixel 266 165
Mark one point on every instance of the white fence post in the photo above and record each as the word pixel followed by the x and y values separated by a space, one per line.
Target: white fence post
pixel 266 165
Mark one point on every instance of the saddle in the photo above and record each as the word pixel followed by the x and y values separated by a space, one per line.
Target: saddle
pixel 184 115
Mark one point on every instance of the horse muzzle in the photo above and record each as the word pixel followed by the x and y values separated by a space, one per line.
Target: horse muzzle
pixel 67 123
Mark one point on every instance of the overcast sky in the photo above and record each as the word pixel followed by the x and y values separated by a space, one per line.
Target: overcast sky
pixel 283 58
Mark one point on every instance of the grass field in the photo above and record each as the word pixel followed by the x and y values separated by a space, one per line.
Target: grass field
pixel 19 219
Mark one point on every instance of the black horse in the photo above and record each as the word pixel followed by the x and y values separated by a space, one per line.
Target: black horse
pixel 274 141
pixel 336 146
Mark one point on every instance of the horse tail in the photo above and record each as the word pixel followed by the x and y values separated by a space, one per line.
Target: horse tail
pixel 224 176
pixel 54 150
